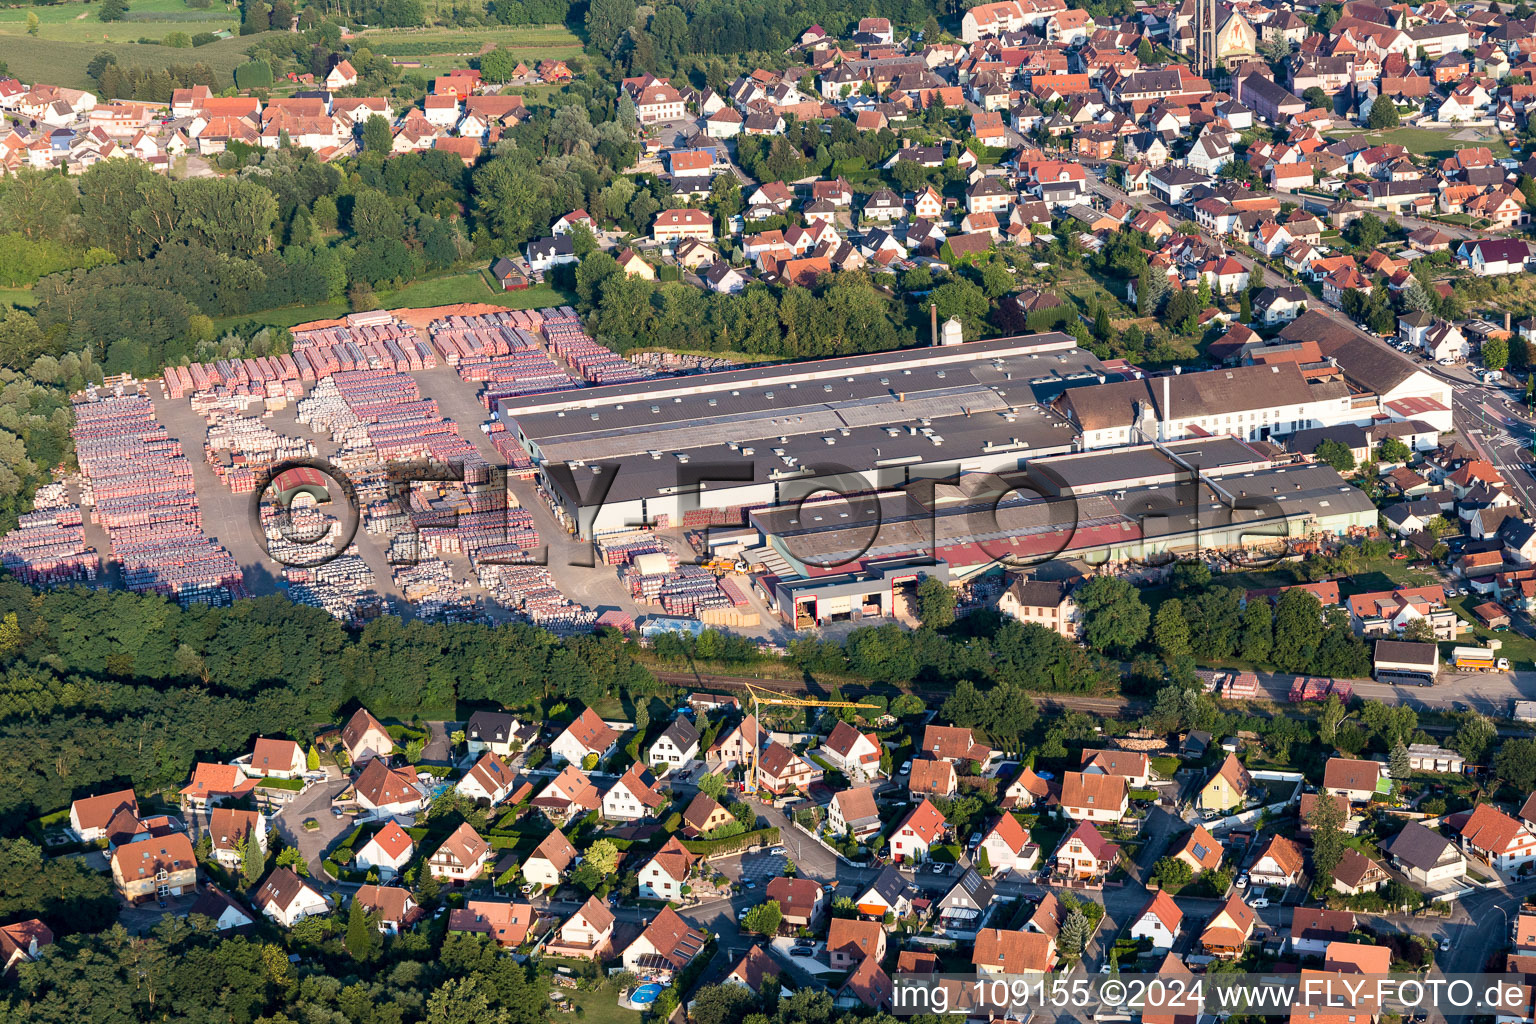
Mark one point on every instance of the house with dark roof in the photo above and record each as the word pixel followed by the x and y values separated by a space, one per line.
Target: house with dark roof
pixel 1425 857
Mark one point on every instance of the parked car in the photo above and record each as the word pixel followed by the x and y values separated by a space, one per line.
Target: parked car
pixel 1259 904
pixel 803 951
pixel 1242 880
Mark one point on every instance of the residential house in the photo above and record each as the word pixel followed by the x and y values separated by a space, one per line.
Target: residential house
pixel 850 941
pixel 781 771
pixel 392 905
pixel 1357 874
pixel 634 796
pixel 1228 931
pixel 735 747
pixel 230 830
pixel 1132 765
pixel 754 970
pixel 1200 851
pixel 277 759
pixel 1158 923
pixel 1227 788
pixel 365 737
pixel 956 745
pixel 634 265
pixel 586 934
pixel 1004 952
pixel 912 839
pixel 1026 790
pixel 667 946
pixel 889 893
pixel 1490 257
pixel 216 905
pixel 489 782
pixel 967 904
pixel 215 783
pixel 856 754
pixel 1427 757
pixel 387 851
pixel 551 251
pixel 1278 862
pixel 1314 929
pixel 932 778
pixel 1007 847
pixel 703 815
pixel 1497 838
pixel 386 792
pixel 666 873
pixel 1094 797
pixel 1356 780
pixel 800 902
pixel 854 811
pixel 1085 854
pixel 568 794
pixel 676 225
pixel 677 745
pixel 461 857
pixel 1426 857
pixel 1045 603
pixel 160 865
pixel 288 899
pixel 587 736
pixel 89 817
pixel 507 923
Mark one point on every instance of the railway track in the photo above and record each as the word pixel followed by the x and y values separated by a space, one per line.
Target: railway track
pixel 1065 701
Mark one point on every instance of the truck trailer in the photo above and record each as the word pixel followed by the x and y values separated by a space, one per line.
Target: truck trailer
pixel 1478 659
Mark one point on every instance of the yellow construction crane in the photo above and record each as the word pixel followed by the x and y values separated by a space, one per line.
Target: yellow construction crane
pixel 774 699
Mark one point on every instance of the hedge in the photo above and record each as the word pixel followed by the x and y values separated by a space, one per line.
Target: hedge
pixel 732 844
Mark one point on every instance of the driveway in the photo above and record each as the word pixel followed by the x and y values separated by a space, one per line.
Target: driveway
pixel 438 750
pixel 142 919
pixel 314 802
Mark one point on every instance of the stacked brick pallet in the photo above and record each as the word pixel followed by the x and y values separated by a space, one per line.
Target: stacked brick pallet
pixel 427 579
pixel 141 484
pixel 261 376
pixel 402 425
pixel 469 522
pixel 531 590
pixel 623 548
pixel 683 591
pixel 241 448
pixel 344 586
pixel 366 342
pixel 514 457
pixel 500 351
pixel 567 339
pixel 48 544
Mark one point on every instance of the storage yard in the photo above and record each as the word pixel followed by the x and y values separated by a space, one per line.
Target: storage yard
pixel 363 395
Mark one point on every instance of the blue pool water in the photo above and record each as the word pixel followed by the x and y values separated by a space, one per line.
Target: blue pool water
pixel 645 995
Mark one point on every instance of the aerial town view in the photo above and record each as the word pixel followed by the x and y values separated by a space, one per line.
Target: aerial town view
pixel 767 511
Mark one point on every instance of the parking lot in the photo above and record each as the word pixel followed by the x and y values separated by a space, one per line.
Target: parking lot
pixel 757 868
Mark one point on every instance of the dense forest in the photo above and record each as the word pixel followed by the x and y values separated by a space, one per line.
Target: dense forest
pixel 105 685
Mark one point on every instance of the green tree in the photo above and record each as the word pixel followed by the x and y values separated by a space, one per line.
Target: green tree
pixel 363 941
pixel 1515 763
pixel 33 23
pixel 1398 761
pixel 1170 631
pixel 1383 115
pixel 764 919
pixel 603 855
pixel 1115 619
pixel 1258 631
pixel 1327 824
pixel 1072 939
pixel 312 759
pixel 1172 874
pixel 1298 630
pixel 1393 450
pixel 252 861
pixel 377 137
pixel 1328 719
pixel 1335 454
pixel 1315 97
pixel 1495 353
pixel 112 10
pixel 1144 51
pixel 1473 737
pixel 935 602
pixel 712 786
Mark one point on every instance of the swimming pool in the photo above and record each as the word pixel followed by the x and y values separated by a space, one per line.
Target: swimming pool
pixel 645 995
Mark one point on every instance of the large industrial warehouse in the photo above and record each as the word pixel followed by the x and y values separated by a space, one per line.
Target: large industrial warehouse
pixel 654 451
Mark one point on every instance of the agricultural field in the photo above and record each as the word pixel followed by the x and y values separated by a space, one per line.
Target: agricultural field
pixel 441 49
pixel 147 19
pixel 63 62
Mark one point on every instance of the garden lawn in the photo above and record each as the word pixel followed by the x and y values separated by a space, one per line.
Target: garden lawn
pixel 1435 142
pixel 600 1007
